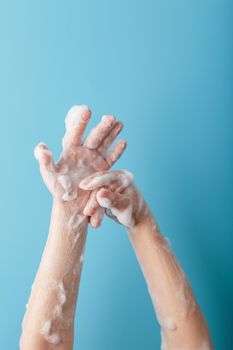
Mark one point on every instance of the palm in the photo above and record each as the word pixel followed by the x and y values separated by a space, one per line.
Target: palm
pixel 79 159
pixel 73 168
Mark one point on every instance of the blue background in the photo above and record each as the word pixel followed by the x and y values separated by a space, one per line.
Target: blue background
pixel 165 69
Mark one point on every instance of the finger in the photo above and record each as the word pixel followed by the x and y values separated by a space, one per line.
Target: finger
pixel 105 178
pixel 97 217
pixel 76 122
pixel 117 206
pixel 109 200
pixel 116 152
pixel 118 126
pixel 98 134
pixel 91 205
pixel 44 156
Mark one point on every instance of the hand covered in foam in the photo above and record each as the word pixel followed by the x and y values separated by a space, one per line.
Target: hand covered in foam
pixel 80 159
pixel 116 193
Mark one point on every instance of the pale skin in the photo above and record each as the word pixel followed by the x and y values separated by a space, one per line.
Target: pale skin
pixel 183 325
pixel 83 188
pixel 48 321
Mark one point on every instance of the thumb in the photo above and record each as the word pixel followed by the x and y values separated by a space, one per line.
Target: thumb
pixel 44 155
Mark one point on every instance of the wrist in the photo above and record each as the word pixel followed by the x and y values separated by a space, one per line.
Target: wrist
pixel 145 219
pixel 68 216
pixel 68 206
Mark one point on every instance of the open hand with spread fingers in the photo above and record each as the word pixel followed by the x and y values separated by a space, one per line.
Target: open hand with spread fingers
pixel 79 158
pixel 82 182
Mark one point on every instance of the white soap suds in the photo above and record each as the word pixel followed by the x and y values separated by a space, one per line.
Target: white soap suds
pixel 75 115
pixel 169 324
pixel 58 319
pixel 61 293
pixel 167 244
pixel 64 180
pixel 57 311
pixel 107 118
pixel 40 150
pixel 69 192
pixel 76 220
pixel 126 178
pixel 69 196
pixel 104 202
pixel 46 327
pixel 125 216
pixel 52 338
pixel 122 178
pixel 70 179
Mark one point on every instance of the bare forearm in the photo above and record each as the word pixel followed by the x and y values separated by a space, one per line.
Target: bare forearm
pixel 181 320
pixel 48 321
pixel 182 323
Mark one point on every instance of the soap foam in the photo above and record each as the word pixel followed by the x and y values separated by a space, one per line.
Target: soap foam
pixel 75 115
pixel 61 293
pixel 76 220
pixel 50 329
pixel 69 193
pixel 52 338
pixel 40 150
pixel 169 324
